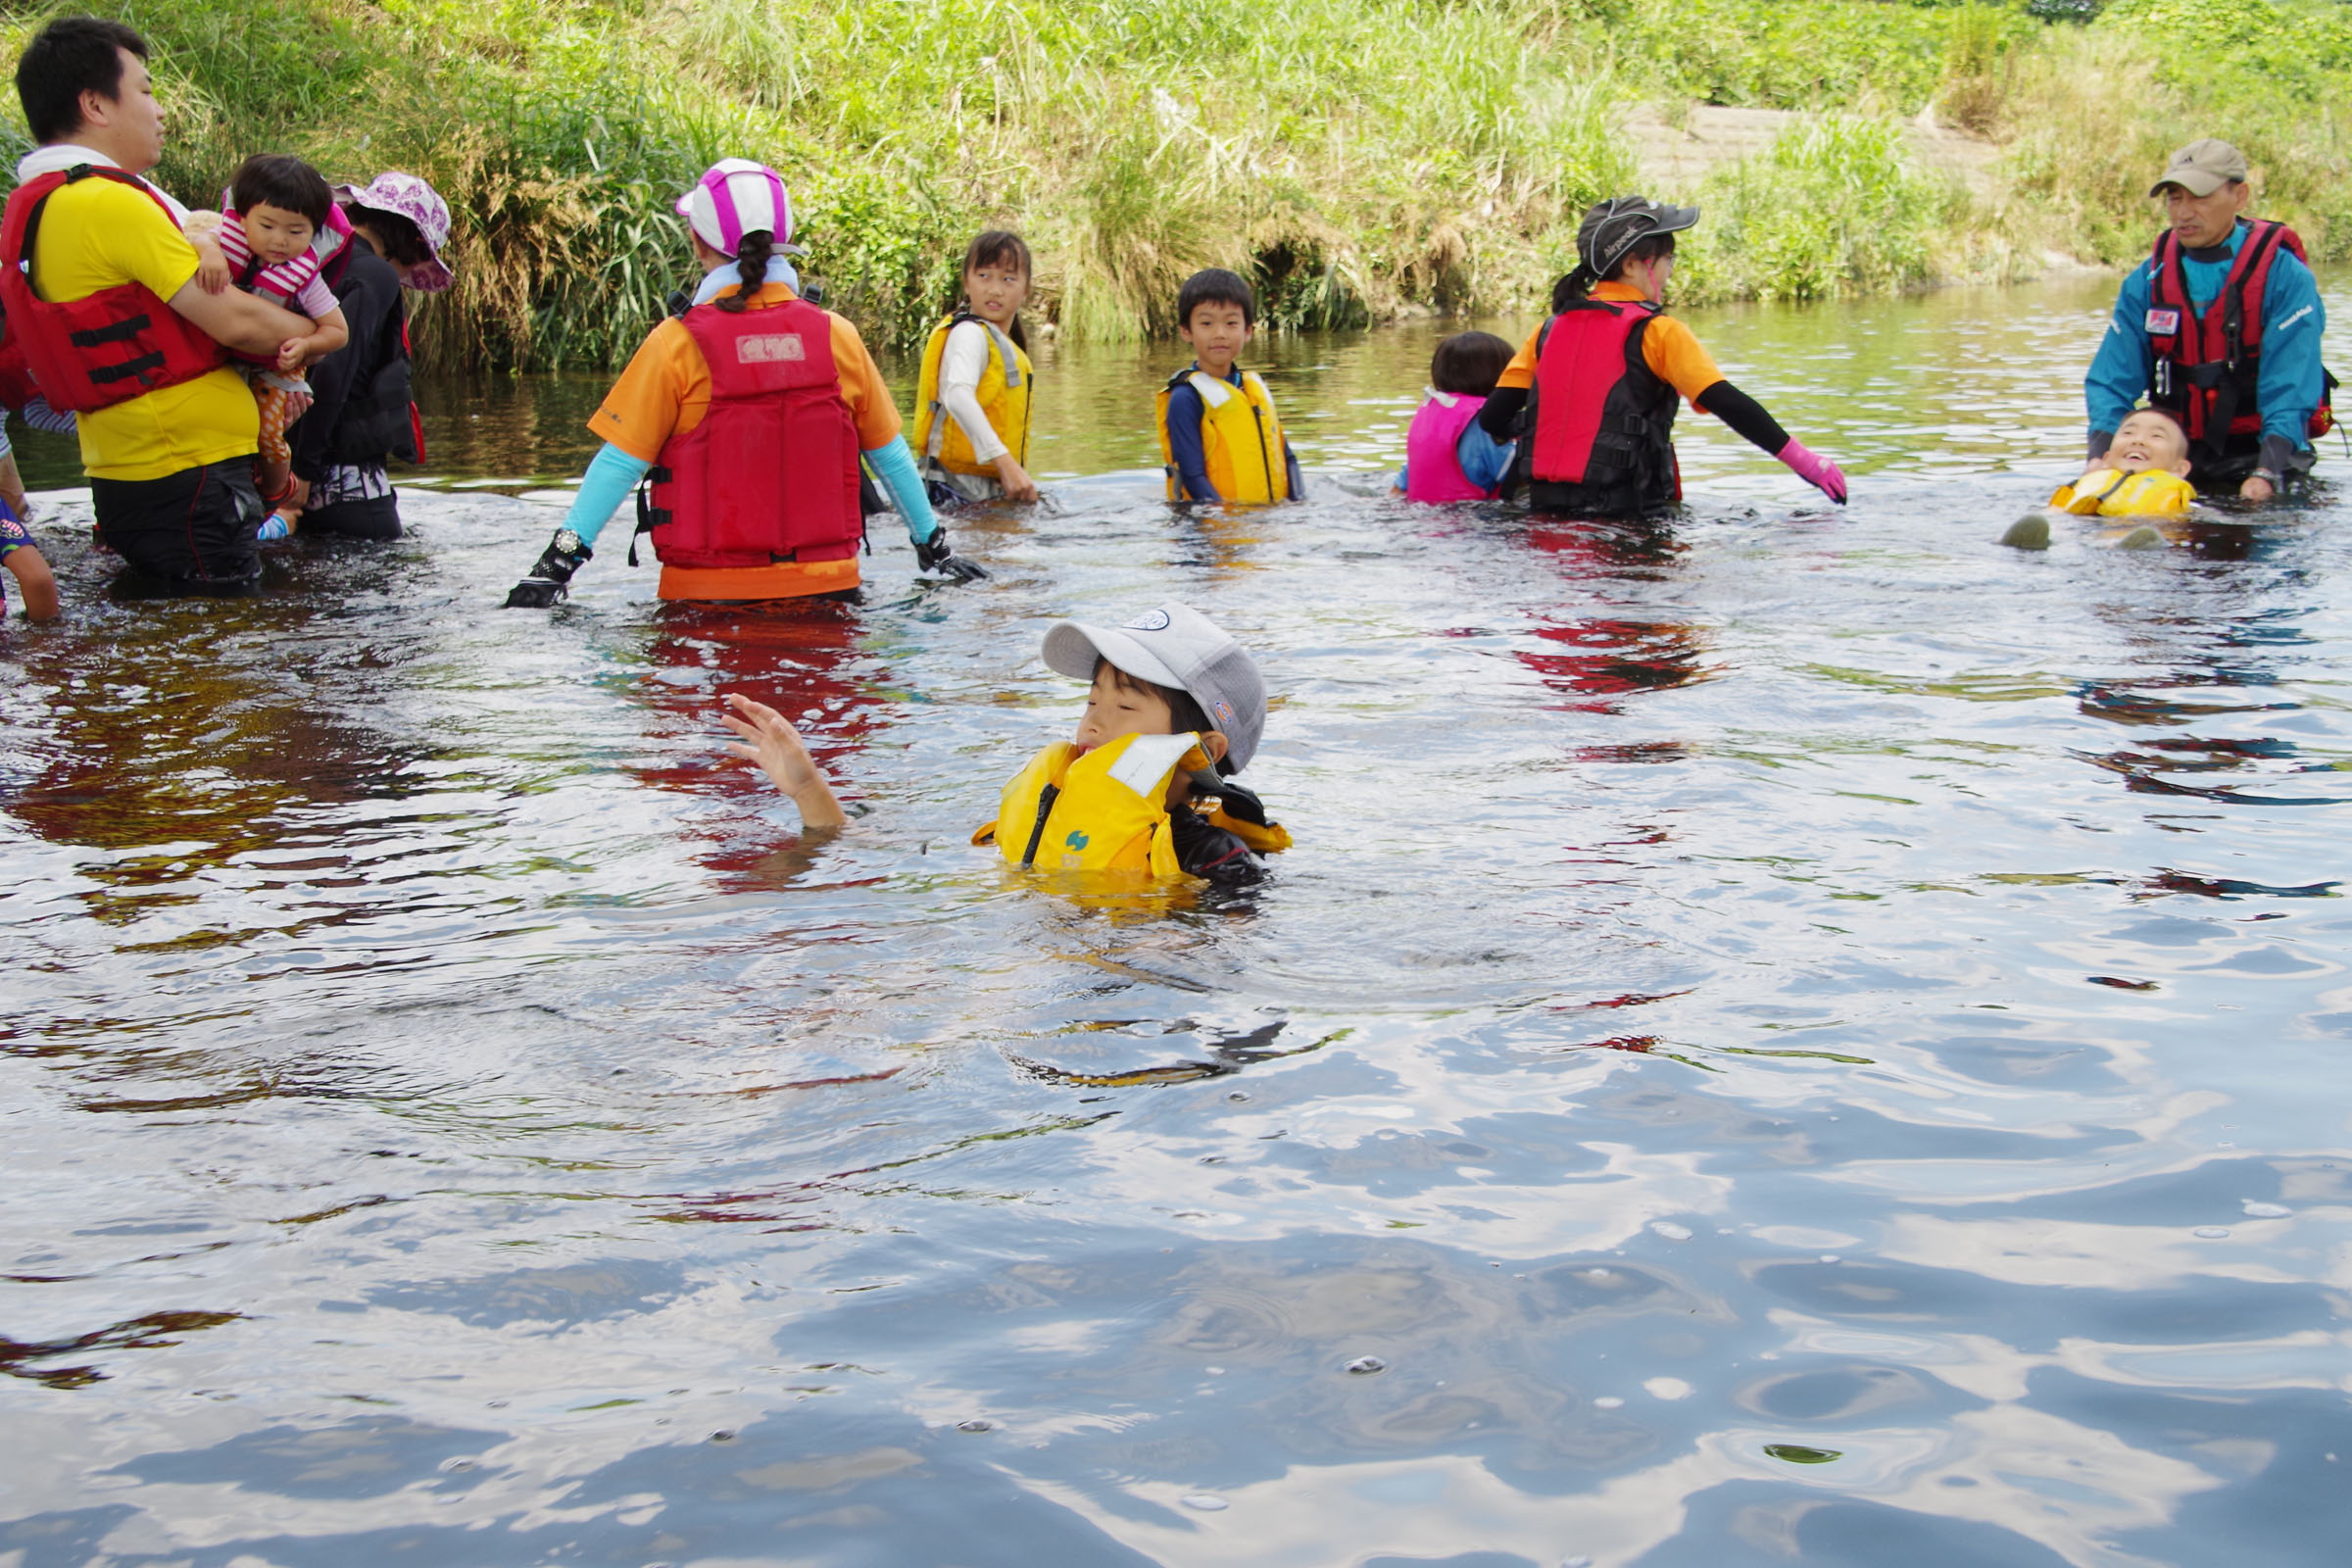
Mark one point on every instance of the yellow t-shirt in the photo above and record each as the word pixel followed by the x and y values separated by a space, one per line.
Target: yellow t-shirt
pixel 99 233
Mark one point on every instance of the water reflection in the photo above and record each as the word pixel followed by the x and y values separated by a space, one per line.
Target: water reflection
pixel 1736 1046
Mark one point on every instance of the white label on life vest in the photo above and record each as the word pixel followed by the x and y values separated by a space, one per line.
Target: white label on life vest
pixel 1149 759
pixel 2164 324
pixel 774 349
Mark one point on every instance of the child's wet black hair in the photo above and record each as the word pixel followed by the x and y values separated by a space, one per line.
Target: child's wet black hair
pixel 1184 709
pixel 1469 364
pixel 1214 285
pixel 2167 417
pixel 999 247
pixel 286 183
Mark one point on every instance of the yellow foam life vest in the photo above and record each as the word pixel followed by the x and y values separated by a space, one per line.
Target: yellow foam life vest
pixel 2105 492
pixel 1106 810
pixel 1241 438
pixel 1004 394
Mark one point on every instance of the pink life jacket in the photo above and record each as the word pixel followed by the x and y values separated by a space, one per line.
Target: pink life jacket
pixel 1433 464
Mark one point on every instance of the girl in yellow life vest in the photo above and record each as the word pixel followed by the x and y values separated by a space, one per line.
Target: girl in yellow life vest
pixel 1142 789
pixel 972 397
pixel 1219 436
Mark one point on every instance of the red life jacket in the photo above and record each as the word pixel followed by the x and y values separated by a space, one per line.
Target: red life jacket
pixel 2207 365
pixel 17 387
pixel 1603 421
pixel 771 472
pixel 104 347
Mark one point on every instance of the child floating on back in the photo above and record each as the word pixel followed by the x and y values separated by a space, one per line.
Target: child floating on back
pixel 1219 436
pixel 2143 473
pixel 1145 785
pixel 1447 456
pixel 972 397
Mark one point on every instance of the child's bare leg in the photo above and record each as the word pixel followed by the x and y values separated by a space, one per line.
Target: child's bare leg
pixel 276 465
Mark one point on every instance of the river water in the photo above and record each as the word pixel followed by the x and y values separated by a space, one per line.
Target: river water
pixel 1797 1035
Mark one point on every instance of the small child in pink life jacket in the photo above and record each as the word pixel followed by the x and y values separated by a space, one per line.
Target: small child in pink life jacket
pixel 2143 473
pixel 1448 457
pixel 269 240
pixel 24 561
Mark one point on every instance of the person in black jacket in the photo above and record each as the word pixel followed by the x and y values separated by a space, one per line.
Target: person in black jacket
pixel 361 418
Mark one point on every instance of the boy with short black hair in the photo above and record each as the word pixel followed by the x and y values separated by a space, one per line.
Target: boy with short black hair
pixel 1219 436
pixel 1174 710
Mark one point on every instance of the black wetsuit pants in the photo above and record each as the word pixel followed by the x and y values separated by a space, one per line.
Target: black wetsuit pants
pixel 187 532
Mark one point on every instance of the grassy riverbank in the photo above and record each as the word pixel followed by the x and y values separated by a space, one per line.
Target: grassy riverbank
pixel 1360 157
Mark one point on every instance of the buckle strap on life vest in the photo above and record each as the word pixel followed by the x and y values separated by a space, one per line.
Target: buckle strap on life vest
pixel 2206 362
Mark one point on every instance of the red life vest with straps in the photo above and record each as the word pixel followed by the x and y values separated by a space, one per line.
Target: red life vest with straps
pixel 2208 364
pixel 1602 420
pixel 17 387
pixel 771 472
pixel 104 347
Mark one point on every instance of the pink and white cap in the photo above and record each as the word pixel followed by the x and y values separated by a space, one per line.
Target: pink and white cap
pixel 736 197
pixel 409 196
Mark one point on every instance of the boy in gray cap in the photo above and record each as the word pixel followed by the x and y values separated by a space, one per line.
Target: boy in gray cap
pixel 1174 710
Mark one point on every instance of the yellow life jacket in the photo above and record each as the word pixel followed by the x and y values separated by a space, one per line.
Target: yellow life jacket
pixel 1241 438
pixel 1004 394
pixel 2105 492
pixel 1106 810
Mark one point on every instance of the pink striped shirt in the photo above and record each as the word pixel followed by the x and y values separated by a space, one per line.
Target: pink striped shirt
pixel 295 284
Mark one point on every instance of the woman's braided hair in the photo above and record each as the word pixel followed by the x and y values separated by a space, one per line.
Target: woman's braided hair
pixel 751 265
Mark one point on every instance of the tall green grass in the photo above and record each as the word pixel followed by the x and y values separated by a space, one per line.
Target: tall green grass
pixel 1355 157
pixel 1834 207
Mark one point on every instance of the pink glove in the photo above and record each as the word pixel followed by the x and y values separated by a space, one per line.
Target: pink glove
pixel 1814 468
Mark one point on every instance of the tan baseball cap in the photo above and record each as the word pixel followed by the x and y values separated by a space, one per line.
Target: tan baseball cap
pixel 2202 167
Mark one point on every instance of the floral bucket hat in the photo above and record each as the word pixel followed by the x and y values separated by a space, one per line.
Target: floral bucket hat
pixel 412 199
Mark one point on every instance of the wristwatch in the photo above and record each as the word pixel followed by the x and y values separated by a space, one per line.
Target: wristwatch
pixel 2270 476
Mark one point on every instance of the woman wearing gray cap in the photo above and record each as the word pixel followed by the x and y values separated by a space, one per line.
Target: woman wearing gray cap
pixel 1599 383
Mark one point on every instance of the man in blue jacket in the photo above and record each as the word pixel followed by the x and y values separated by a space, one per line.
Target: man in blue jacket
pixel 2220 326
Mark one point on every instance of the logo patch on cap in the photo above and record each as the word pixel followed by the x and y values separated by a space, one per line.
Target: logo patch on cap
pixel 776 347
pixel 1149 620
pixel 1224 714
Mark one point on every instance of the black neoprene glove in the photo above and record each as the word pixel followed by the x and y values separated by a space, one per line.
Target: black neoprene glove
pixel 935 555
pixel 545 584
pixel 1241 802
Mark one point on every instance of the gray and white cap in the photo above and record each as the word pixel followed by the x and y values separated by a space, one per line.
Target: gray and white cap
pixel 1179 647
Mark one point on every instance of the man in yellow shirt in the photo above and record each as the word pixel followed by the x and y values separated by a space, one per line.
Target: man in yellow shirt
pixel 172 469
